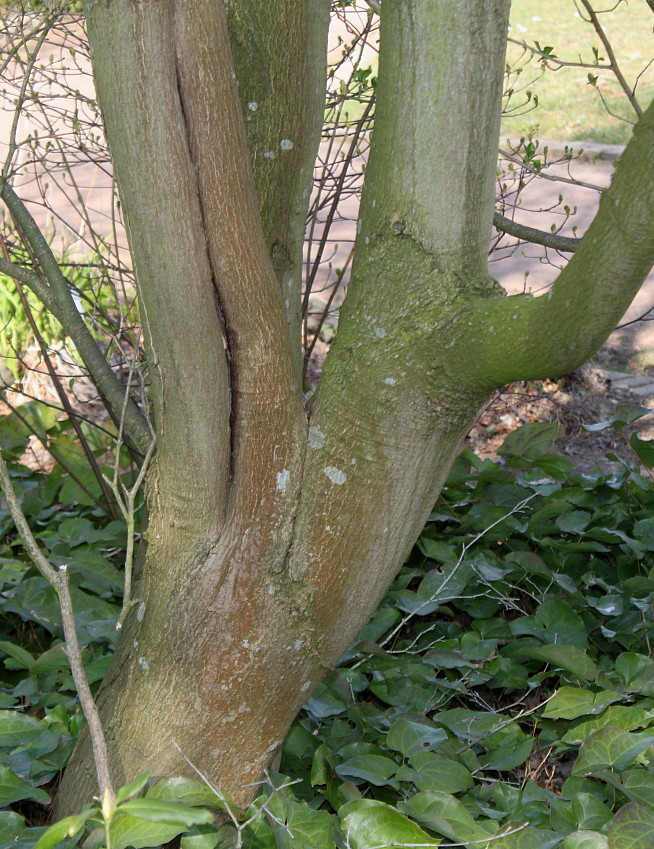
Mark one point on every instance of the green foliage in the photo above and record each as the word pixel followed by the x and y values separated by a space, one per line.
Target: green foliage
pixel 501 697
pixel 16 334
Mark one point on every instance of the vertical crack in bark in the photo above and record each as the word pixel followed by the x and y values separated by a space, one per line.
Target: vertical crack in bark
pixel 227 334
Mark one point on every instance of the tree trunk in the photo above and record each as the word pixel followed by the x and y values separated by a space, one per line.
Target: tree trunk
pixel 275 531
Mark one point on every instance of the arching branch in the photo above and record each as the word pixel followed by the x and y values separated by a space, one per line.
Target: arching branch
pixel 536 237
pixel 522 338
pixel 56 296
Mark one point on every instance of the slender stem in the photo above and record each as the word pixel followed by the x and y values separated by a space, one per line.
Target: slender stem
pixel 29 278
pixel 31 59
pixel 126 502
pixel 65 402
pixel 59 581
pixel 73 651
pixel 555 178
pixel 35 554
pixel 62 305
pixel 599 29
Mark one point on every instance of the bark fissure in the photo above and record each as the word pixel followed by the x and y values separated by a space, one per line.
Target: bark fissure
pixel 323 508
pixel 232 389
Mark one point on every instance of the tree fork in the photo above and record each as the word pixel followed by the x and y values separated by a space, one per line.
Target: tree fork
pixel 254 584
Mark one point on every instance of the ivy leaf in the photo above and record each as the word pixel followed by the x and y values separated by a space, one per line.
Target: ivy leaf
pixel 610 747
pixel 377 824
pixel 132 789
pixel 68 827
pixel 632 828
pixel 136 833
pixel 565 657
pixel 531 440
pixel 638 785
pixel 202 837
pixel 517 835
pixel 410 736
pixel 619 716
pixel 11 827
pixel 192 793
pixel 443 813
pixel 589 812
pixel 428 771
pixel 172 813
pixel 375 769
pixel 13 789
pixel 296 825
pixel 584 839
pixel 19 729
pixel 643 449
pixel 572 702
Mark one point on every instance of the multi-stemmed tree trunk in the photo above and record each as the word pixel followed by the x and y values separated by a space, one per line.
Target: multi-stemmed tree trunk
pixel 275 528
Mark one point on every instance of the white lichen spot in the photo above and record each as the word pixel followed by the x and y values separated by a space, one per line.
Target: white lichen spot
pixel 246 644
pixel 353 461
pixel 379 331
pixel 269 154
pixel 359 226
pixel 140 613
pixel 305 686
pixel 135 644
pixel 286 304
pixel 374 203
pixel 297 645
pixel 367 240
pixel 316 437
pixel 286 144
pixel 328 528
pixel 252 106
pixel 283 479
pixel 144 664
pixel 271 590
pixel 335 475
pixel 390 381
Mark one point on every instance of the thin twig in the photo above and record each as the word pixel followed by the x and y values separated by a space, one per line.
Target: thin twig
pixel 63 307
pixel 465 549
pixel 599 29
pixel 59 581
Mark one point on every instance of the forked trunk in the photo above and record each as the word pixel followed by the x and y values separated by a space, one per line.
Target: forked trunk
pixel 274 531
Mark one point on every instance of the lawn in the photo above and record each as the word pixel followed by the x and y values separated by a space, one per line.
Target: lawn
pixel 569 108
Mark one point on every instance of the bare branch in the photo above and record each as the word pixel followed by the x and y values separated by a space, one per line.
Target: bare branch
pixel 536 237
pixel 60 302
pixel 29 278
pixel 553 177
pixel 599 29
pixel 59 581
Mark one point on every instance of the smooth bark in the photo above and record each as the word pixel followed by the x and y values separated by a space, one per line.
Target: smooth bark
pixel 274 532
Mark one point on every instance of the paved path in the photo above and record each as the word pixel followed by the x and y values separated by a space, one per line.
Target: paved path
pixel 641 386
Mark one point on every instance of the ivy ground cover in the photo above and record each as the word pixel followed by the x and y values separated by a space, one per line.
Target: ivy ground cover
pixel 501 697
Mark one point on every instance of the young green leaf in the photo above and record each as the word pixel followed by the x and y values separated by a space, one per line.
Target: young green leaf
pixel 172 813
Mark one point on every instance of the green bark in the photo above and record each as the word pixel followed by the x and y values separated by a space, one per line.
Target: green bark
pixel 523 338
pixel 256 579
pixel 279 54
